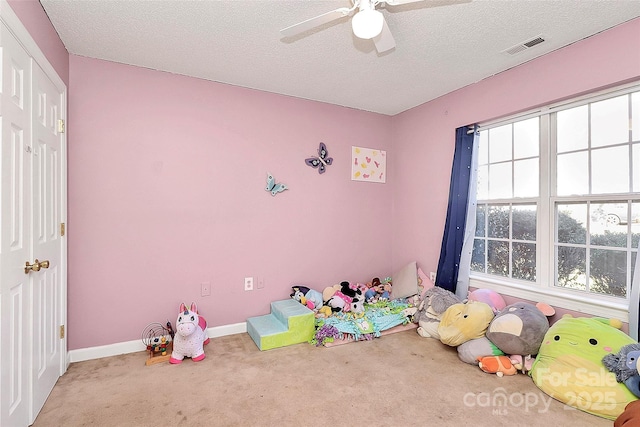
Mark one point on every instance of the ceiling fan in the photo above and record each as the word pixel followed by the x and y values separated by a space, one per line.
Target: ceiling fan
pixel 367 23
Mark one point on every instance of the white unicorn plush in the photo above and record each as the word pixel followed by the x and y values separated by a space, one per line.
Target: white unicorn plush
pixel 191 335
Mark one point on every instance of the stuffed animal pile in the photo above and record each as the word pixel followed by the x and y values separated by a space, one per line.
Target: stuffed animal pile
pixel 587 363
pixel 576 361
pixel 345 297
pixel 499 339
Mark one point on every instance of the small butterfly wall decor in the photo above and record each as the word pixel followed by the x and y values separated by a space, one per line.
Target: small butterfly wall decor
pixel 322 161
pixel 273 187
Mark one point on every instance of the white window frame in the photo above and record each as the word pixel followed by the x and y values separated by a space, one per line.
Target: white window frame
pixel 544 290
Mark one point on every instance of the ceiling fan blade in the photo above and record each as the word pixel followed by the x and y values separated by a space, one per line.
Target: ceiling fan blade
pixel 303 26
pixel 434 3
pixel 384 41
pixel 399 2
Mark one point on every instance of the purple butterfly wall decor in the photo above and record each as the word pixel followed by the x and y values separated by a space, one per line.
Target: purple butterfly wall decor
pixel 322 161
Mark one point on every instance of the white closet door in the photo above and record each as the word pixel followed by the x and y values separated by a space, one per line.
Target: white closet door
pixel 45 236
pixel 15 240
pixel 32 208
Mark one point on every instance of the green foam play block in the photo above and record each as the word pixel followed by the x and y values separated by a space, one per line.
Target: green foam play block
pixel 288 323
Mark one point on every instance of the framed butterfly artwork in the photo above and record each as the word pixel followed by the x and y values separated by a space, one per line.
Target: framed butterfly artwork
pixel 322 161
pixel 368 164
pixel 274 187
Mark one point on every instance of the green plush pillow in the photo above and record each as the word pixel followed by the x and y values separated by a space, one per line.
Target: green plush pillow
pixel 405 282
pixel 569 365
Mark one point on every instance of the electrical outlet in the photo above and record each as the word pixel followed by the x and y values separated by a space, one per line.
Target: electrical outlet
pixel 260 283
pixel 432 276
pixel 248 283
pixel 205 289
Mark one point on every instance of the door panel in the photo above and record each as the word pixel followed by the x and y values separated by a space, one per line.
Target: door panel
pixel 15 237
pixel 46 245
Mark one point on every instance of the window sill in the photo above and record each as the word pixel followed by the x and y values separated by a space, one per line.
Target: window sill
pixel 576 302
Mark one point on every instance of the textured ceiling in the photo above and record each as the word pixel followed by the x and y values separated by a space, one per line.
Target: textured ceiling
pixel 440 45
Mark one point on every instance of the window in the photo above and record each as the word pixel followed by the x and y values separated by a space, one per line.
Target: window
pixel 558 208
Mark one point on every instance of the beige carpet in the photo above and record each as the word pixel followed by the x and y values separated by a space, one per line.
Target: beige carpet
pixel 397 380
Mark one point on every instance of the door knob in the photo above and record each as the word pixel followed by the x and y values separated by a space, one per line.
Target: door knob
pixel 28 268
pixel 36 266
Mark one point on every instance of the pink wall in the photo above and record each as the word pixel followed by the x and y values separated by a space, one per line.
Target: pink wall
pixel 167 180
pixel 36 21
pixel 423 137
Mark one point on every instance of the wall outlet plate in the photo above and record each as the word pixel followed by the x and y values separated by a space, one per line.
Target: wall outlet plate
pixel 248 283
pixel 205 289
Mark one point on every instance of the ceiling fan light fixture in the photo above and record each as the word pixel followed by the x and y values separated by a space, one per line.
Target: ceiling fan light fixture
pixel 367 23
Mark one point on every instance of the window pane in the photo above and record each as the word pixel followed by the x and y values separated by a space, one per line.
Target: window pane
pixel 483 183
pixel 500 181
pixel 498 224
pixel 571 267
pixel 483 148
pixel 524 222
pixel 608 224
pixel 608 272
pixel 610 170
pixel 498 258
pixel 635 112
pixel 573 129
pixel 610 121
pixel 480 219
pixel 477 258
pixel 573 174
pixel 524 261
pixel 526 138
pixel 571 223
pixel 500 144
pixel 525 178
pixel 609 215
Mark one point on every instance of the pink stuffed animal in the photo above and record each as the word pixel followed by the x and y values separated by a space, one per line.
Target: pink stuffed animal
pixel 190 336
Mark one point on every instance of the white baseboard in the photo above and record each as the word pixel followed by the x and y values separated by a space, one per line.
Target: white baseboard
pixel 116 349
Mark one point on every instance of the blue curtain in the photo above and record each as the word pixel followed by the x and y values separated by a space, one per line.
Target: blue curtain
pixel 463 178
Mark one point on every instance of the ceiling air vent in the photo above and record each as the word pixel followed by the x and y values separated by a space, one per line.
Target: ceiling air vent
pixel 525 45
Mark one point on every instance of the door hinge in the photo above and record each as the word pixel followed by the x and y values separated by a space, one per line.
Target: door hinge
pixel 61 332
pixel 62 229
pixel 60 126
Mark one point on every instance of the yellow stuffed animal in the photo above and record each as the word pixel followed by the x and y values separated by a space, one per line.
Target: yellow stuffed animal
pixel 463 322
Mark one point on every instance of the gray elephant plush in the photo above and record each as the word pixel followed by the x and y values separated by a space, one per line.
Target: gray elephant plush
pixel 434 303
